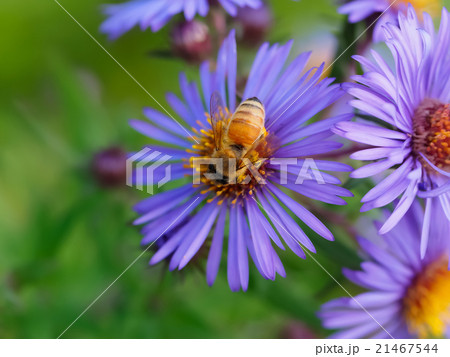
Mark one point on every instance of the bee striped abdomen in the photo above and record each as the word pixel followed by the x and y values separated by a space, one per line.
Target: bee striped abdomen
pixel 247 123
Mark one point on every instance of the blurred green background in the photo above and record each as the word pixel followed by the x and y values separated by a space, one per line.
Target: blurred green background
pixel 64 239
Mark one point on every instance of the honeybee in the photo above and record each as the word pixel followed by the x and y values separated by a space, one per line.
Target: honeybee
pixel 236 138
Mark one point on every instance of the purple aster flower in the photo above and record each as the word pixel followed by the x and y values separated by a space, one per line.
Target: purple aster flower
pixel 252 215
pixel 358 10
pixel 412 102
pixel 156 13
pixel 407 296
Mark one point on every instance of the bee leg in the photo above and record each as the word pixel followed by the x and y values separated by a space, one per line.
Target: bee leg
pixel 238 150
pixel 241 176
pixel 259 163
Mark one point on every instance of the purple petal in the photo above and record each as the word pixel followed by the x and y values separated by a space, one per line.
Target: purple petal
pixel 307 217
pixel 215 252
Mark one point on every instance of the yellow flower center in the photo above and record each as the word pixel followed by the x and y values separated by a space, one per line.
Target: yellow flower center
pixel 430 6
pixel 432 133
pixel 427 301
pixel 205 147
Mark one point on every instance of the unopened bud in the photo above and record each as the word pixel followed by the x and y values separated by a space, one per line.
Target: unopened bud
pixel 255 23
pixel 191 41
pixel 109 167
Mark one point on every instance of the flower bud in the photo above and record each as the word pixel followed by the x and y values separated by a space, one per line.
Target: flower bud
pixel 191 41
pixel 109 167
pixel 255 23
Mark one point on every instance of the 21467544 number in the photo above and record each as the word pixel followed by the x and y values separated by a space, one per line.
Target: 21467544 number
pixel 406 348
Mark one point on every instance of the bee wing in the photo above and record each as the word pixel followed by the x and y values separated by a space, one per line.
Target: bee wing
pixel 217 114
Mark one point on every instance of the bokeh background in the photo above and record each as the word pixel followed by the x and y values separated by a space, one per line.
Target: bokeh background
pixel 64 238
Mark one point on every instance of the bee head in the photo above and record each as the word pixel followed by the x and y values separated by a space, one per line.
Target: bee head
pixel 255 100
